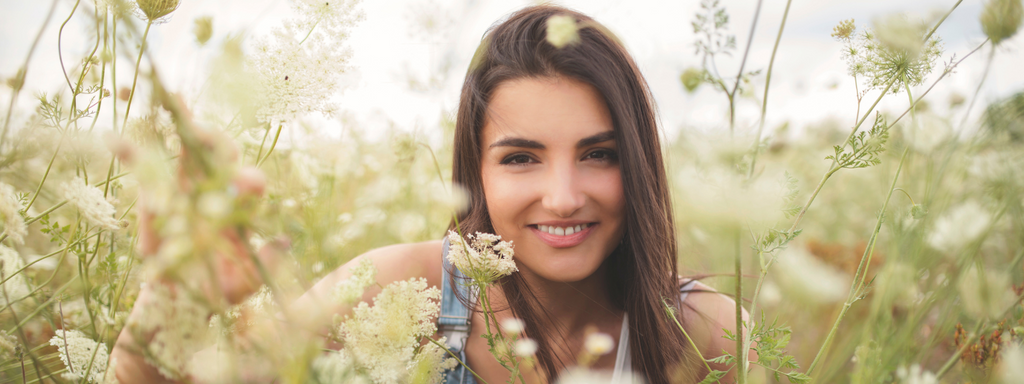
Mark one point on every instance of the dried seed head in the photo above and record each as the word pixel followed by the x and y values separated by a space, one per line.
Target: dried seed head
pixel 845 30
pixel 155 10
pixel 1001 18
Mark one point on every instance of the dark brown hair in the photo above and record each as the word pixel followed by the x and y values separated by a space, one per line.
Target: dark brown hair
pixel 642 269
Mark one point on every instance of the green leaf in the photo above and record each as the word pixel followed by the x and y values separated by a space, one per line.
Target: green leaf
pixel 712 377
pixel 798 377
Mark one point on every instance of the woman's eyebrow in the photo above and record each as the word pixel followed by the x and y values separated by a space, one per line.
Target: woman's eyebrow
pixel 526 143
pixel 517 142
pixel 598 138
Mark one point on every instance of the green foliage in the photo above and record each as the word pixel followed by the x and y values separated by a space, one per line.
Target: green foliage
pixel 864 147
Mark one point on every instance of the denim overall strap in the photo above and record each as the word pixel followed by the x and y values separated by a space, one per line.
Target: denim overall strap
pixel 453 323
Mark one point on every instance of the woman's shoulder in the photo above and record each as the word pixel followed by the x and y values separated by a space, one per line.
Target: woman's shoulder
pixel 393 263
pixel 706 314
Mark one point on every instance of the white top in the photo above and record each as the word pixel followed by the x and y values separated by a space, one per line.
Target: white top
pixel 622 374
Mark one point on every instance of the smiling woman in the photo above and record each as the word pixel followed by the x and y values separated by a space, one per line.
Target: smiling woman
pixel 557 144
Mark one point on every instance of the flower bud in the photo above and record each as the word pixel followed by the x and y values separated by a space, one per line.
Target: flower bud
pixel 525 347
pixel 691 79
pixel 203 29
pixel 1001 18
pixel 562 30
pixel 598 344
pixel 153 10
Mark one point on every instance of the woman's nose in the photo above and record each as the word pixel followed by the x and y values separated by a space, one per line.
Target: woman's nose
pixel 564 196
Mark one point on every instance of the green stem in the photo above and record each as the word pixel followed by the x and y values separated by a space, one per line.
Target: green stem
pixel 671 312
pixel 138 62
pixel 272 146
pixel 959 352
pixel 767 86
pixel 856 286
pixel 60 53
pixel 741 355
pixel 456 357
pixel 45 174
pixel 23 73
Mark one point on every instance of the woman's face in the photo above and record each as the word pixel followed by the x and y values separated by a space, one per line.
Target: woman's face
pixel 551 176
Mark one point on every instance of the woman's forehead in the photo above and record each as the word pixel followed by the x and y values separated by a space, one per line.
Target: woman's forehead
pixel 551 109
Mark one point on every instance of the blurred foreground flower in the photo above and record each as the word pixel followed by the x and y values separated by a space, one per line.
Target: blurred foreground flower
pixel 1001 18
pixel 562 30
pixel 803 277
pixel 986 293
pixel 915 375
pixel 10 212
pixel 958 227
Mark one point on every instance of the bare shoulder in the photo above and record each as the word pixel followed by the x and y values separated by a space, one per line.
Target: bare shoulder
pixel 394 263
pixel 706 315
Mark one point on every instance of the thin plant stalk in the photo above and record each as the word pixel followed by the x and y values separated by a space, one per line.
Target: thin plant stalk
pixel 856 286
pixel 272 146
pixel 456 357
pixel 767 86
pixel 741 354
pixel 739 75
pixel 23 75
pixel 671 314
pixel 138 62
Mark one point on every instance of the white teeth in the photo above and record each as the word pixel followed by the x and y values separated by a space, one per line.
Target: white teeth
pixel 558 231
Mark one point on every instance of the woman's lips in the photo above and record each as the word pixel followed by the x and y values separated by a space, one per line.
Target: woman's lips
pixel 566 241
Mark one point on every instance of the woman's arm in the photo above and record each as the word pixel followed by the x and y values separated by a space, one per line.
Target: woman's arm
pixel 317 306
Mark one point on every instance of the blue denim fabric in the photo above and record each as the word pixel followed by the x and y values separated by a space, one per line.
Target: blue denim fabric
pixel 453 322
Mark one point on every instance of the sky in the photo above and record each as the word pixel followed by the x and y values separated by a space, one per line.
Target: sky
pixel 392 48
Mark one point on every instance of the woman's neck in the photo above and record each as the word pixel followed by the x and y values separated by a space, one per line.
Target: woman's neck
pixel 572 306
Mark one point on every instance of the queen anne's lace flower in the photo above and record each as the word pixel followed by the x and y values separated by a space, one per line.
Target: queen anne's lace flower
pixel 562 30
pixel 76 351
pixel 10 208
pixel 959 226
pixel 297 68
pixel 8 345
pixel 91 203
pixel 485 259
pixel 384 338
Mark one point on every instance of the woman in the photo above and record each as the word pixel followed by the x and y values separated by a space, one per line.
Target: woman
pixel 559 151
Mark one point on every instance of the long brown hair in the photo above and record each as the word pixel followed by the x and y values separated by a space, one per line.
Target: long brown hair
pixel 642 269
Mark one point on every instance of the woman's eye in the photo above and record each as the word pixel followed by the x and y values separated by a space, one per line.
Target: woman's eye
pixel 602 154
pixel 517 159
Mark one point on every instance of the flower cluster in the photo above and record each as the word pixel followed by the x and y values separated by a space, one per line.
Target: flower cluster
pixel 91 203
pixel 385 338
pixel 893 51
pixel 80 355
pixel 483 258
pixel 10 213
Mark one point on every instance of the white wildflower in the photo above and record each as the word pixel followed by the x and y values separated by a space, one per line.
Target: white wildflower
pixel 10 211
pixel 430 363
pixel 525 347
pixel 214 205
pixel 91 203
pixel 179 325
pixel 926 132
pixel 513 326
pixel 15 287
pixel 959 226
pixel 804 277
pixel 915 375
pixel 383 338
pixel 351 289
pixel 81 354
pixel 110 376
pixel 296 69
pixel 598 343
pixel 485 259
pixel 986 293
pixel 562 30
pixel 719 195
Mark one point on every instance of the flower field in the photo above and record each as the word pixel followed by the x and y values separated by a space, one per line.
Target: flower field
pixel 880 247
